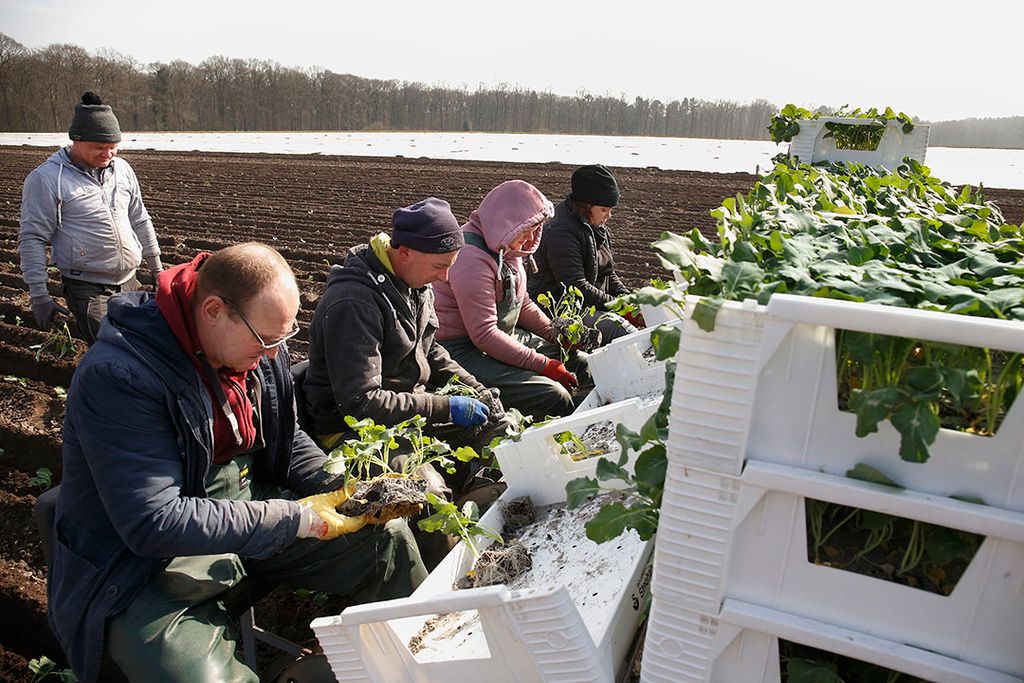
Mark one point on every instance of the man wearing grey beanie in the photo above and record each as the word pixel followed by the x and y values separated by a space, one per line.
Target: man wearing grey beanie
pixel 87 206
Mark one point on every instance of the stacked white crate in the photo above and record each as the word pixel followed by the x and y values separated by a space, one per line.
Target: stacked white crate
pixel 531 635
pixel 811 144
pixel 755 427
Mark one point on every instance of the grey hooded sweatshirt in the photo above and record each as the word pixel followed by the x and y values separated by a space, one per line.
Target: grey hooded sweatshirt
pixel 99 229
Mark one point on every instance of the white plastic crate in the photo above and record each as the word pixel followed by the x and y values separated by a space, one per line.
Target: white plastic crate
pixel 593 400
pixel 545 633
pixel 763 385
pixel 620 370
pixel 536 462
pixel 668 311
pixel 811 146
pixel 741 646
pixel 722 537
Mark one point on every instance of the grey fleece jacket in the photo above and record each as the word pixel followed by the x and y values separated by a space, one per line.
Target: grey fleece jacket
pixel 99 229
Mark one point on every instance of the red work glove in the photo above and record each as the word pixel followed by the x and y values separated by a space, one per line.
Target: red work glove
pixel 635 318
pixel 554 369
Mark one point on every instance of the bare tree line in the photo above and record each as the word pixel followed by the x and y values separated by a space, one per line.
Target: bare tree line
pixel 38 88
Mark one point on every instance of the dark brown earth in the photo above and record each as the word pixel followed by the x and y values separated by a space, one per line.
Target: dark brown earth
pixel 312 208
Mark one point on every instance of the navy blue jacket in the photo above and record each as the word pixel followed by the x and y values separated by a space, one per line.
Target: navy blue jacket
pixel 137 449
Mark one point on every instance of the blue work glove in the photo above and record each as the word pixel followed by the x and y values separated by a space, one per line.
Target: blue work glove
pixel 468 412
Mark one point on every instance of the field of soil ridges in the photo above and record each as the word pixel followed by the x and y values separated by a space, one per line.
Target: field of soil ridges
pixel 312 209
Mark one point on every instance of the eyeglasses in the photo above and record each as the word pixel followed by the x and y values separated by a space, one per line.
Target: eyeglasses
pixel 267 347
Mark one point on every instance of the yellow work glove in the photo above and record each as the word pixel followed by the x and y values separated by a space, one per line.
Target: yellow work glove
pixel 321 520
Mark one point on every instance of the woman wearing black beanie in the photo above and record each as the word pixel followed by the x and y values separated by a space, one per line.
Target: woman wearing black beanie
pixel 577 250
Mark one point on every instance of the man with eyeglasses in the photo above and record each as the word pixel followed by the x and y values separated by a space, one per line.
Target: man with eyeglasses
pixel 185 472
pixel 372 346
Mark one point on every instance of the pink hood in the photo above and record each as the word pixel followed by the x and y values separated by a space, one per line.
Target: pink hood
pixel 466 305
pixel 508 210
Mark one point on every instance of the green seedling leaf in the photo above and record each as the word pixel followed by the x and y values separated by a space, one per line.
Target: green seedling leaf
pixel 665 339
pixel 864 472
pixel 607 470
pixel 705 312
pixel 613 519
pixel 465 454
pixel 650 469
pixel 579 491
pixel 628 440
pixel 872 407
pixel 969 499
pixel 918 426
pixel 943 545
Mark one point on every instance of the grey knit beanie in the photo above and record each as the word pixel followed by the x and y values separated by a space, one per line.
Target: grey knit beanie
pixel 94 121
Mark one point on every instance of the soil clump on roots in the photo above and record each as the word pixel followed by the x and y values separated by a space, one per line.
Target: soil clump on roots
pixel 386 498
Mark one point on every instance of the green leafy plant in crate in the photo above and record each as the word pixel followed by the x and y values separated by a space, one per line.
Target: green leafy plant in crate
pixel 905 238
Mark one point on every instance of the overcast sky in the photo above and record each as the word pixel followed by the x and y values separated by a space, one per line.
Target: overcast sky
pixel 937 60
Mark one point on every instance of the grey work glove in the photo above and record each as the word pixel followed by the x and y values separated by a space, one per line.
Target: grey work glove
pixel 492 397
pixel 43 310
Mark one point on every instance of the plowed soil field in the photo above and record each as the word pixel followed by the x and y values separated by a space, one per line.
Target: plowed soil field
pixel 312 209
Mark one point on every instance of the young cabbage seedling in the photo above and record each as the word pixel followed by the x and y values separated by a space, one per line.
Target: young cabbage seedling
pixel 567 313
pixel 59 343
pixel 456 387
pixel 464 523
pixel 369 455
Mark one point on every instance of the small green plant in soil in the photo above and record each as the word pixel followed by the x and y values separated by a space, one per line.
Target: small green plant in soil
pixel 573 446
pixel 42 479
pixel 464 523
pixel 45 667
pixel 60 392
pixel 370 454
pixel 803 664
pixel 567 313
pixel 456 387
pixel 58 343
pixel 16 380
pixel 906 551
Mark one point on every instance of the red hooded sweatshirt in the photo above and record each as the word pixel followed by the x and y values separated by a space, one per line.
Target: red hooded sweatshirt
pixel 173 297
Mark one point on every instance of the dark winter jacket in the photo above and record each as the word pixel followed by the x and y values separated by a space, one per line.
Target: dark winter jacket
pixel 372 351
pixel 573 252
pixel 137 446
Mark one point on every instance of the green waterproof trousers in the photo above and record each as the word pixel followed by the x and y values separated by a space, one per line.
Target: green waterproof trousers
pixel 178 628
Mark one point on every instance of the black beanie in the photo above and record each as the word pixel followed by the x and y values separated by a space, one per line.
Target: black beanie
pixel 595 185
pixel 94 121
pixel 428 226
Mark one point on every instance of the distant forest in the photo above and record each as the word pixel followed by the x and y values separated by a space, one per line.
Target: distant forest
pixel 39 88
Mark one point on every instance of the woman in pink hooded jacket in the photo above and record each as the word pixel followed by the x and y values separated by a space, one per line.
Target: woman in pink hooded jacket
pixel 487 321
